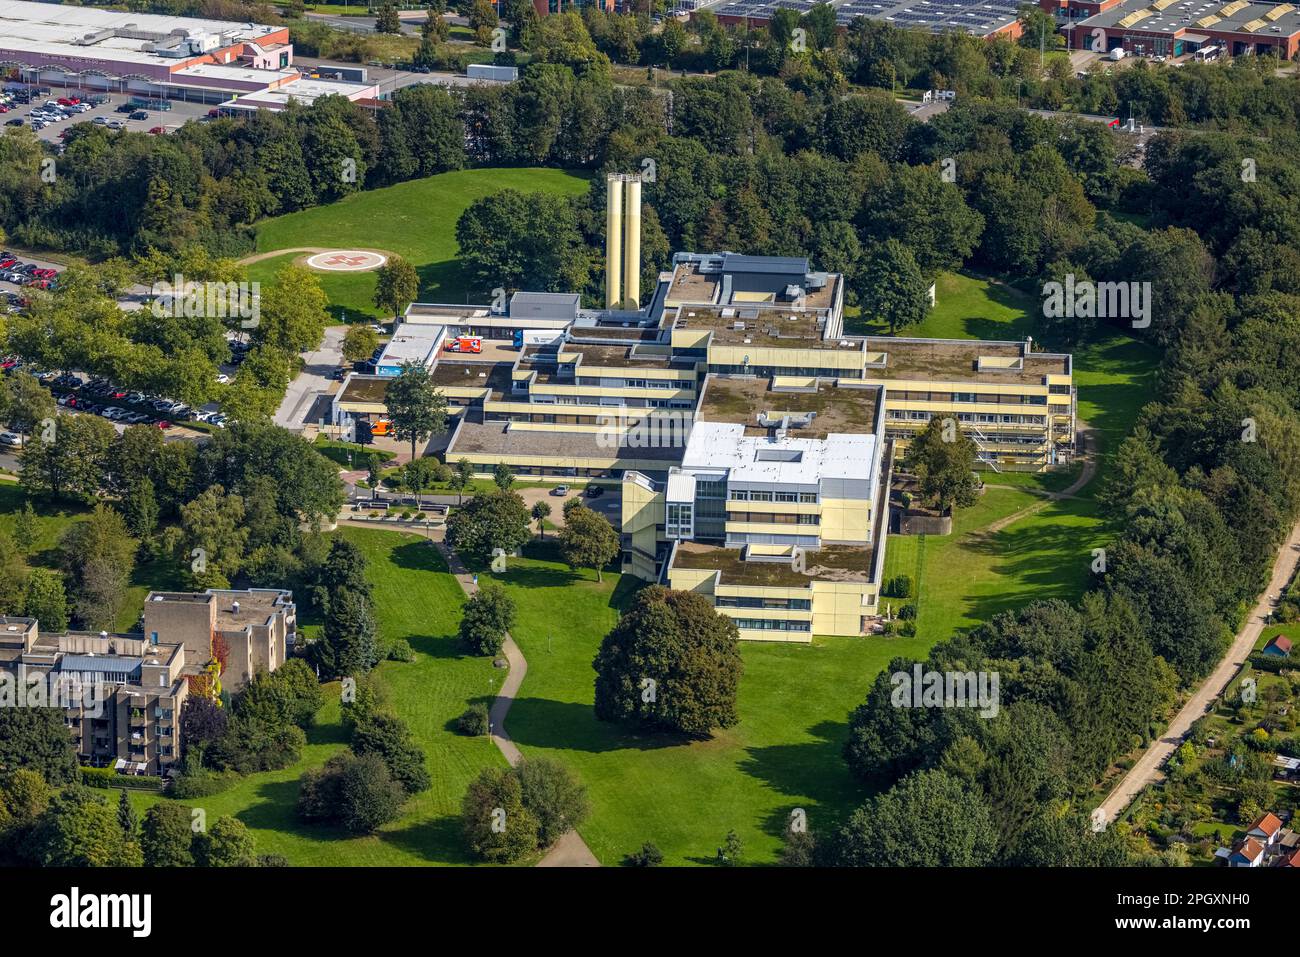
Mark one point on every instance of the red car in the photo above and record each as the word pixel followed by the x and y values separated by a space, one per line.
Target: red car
pixel 159 129
pixel 68 100
pixel 44 273
pixel 8 263
pixel 163 424
pixel 40 283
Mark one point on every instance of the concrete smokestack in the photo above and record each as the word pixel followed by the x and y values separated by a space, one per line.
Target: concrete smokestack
pixel 613 241
pixel 632 246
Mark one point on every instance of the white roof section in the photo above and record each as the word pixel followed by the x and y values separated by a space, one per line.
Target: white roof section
pixel 413 344
pixel 305 92
pixel 681 487
pixel 241 74
pixel 56 23
pixel 782 461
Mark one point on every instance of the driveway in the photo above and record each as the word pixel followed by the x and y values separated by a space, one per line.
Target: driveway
pixel 314 380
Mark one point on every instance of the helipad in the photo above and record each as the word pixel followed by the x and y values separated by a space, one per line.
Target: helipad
pixel 346 260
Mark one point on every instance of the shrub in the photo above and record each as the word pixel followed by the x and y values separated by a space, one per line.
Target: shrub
pixel 108 778
pixel 648 856
pixel 203 783
pixel 474 721
pixel 554 796
pixel 907 613
pixel 900 586
pixel 399 649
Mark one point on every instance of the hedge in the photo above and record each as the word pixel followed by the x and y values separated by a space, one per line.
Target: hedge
pixel 108 778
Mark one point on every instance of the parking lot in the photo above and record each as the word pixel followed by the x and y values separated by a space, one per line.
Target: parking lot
pixel 169 120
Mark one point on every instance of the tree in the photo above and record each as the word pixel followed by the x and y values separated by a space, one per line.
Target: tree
pixel 355 791
pixel 203 721
pixel 943 459
pixel 226 843
pixel 489 521
pixel 485 619
pixel 99 555
pixel 166 836
pixel 554 796
pixel 359 342
pixel 541 511
pixel 523 241
pixel 293 310
pixel 496 825
pixel 25 529
pixel 37 739
pixel 503 476
pixel 388 736
pixel 732 850
pixel 416 406
pixel 672 662
pixel 927 820
pixel 891 287
pixel 46 601
pixel 396 286
pixel 434 28
pixel 461 478
pixel 68 457
pixel 24 796
pixel 215 535
pixel 348 646
pixel 80 829
pixel 588 540
pixel 387 20
pixel 29 403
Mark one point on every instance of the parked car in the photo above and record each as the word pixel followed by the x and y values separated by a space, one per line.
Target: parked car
pixel 157 129
pixel 11 439
pixel 139 115
pixel 560 490
pixel 594 491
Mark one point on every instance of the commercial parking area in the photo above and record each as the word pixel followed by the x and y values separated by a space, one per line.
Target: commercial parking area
pixel 39 108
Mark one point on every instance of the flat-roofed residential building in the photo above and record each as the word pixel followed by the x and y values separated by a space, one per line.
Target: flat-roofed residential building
pixel 121 695
pixel 258 626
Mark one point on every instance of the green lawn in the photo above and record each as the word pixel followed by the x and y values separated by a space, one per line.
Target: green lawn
pixel 417 600
pixel 415 220
pixel 685 795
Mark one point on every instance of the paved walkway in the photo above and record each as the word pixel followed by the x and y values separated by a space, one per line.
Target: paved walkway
pixel 570 850
pixel 1146 770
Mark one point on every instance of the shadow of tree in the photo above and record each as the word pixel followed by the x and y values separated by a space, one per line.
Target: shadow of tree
pixel 560 725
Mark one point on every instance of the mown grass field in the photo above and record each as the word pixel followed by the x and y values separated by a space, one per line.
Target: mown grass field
pixel 416 220
pixel 685 795
pixel 415 599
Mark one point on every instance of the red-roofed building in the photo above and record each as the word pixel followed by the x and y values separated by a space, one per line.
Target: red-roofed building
pixel 1279 647
pixel 1249 853
pixel 1266 829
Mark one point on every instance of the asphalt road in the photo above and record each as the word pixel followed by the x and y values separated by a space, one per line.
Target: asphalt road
pixel 314 379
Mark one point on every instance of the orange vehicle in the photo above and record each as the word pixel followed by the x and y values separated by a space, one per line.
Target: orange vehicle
pixel 382 427
pixel 465 344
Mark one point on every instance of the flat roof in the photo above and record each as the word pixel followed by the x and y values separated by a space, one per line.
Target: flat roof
pixel 52 29
pixel 498 438
pixel 789 460
pixel 958 360
pixel 367 389
pixel 978 17
pixel 842 563
pixel 838 408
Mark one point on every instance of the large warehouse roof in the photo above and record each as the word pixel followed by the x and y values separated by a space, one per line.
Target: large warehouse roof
pixel 1170 16
pixel 980 17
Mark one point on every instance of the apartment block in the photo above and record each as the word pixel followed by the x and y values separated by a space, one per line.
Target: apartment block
pixel 256 625
pixel 121 695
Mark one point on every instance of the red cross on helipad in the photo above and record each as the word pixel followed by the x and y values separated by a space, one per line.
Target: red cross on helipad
pixel 339 259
